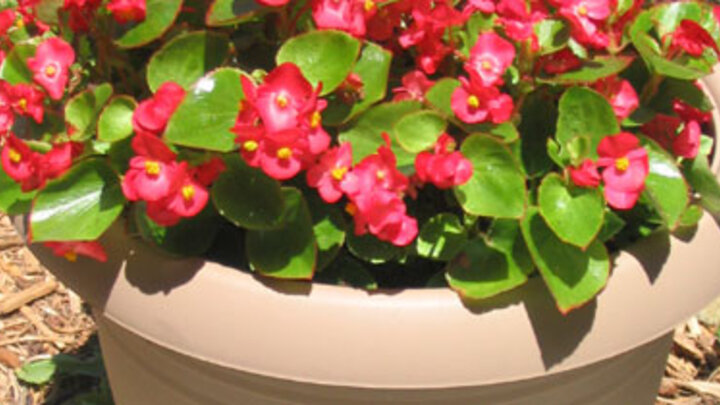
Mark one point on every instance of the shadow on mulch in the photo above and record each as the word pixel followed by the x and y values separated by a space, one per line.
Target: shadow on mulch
pixel 75 378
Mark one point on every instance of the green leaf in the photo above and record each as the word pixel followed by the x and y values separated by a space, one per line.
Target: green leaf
pixel 289 251
pixel 329 228
pixel 692 215
pixel 12 199
pixel 373 67
pixel 669 16
pixel 700 176
pixel 497 186
pixel 419 131
pixel 366 134
pixel 37 372
pixel 204 118
pixel 441 237
pixel 181 239
pixel 506 131
pixel 575 214
pixel 573 276
pixel 612 225
pixel 592 70
pixel 47 11
pixel 665 185
pixel 159 17
pixel 539 116
pixel 14 68
pixel 440 95
pixel 229 12
pixel 371 249
pixel 672 89
pixel 186 58
pixel 552 35
pixel 584 112
pixel 348 271
pixel 115 121
pixel 82 111
pixel 487 268
pixel 79 206
pixel 247 197
pixel 325 56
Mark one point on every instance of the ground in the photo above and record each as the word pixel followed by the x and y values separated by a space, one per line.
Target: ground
pixel 47 336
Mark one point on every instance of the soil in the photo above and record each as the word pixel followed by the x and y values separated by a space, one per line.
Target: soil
pixel 56 321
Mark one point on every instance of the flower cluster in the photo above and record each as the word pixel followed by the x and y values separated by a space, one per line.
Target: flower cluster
pixel 371 132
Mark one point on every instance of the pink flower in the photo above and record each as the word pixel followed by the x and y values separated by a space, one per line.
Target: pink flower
pixel 687 143
pixel 586 17
pixel 518 21
pixel 282 98
pixel 446 167
pixel 152 115
pixel 626 166
pixel 344 15
pixel 485 6
pixel 32 169
pixel 690 37
pixel 153 172
pixel 330 171
pixel 384 215
pixel 125 11
pixel 7 117
pixel 473 103
pixel 71 250
pixel 50 66
pixel 272 3
pixel 489 59
pixel 7 19
pixel 27 100
pixel 377 171
pixel 621 95
pixel 663 129
pixel 81 13
pixel 186 199
pixel 414 86
pixel 586 175
pixel 284 154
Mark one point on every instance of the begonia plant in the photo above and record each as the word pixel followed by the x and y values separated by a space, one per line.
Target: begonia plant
pixel 472 144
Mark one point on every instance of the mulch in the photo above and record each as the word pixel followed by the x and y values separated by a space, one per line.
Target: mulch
pixel 40 318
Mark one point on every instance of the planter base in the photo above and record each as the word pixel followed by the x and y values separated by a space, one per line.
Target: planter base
pixel 143 373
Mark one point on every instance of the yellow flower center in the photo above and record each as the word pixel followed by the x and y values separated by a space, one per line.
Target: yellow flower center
pixel 22 103
pixel 486 65
pixel 450 147
pixel 582 10
pixel 369 5
pixel 622 164
pixel 14 155
pixel 380 175
pixel 50 70
pixel 284 153
pixel 351 209
pixel 250 146
pixel 71 256
pixel 473 101
pixel 281 101
pixel 152 168
pixel 315 119
pixel 20 23
pixel 188 192
pixel 339 173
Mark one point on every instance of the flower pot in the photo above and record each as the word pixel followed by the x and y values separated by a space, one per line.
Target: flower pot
pixel 193 332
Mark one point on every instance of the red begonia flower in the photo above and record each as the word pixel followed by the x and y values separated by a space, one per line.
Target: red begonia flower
pixel 27 100
pixel 125 11
pixel 71 250
pixel 586 175
pixel 490 58
pixel 690 113
pixel 344 15
pixel 330 171
pixel 663 129
pixel 620 93
pixel 585 17
pixel 559 62
pixel 50 66
pixel 283 98
pixel 626 166
pixel 7 20
pixel 687 143
pixel 414 86
pixel 7 117
pixel 445 167
pixel 473 103
pixel 32 169
pixel 692 38
pixel 152 115
pixel 153 173
pixel 273 3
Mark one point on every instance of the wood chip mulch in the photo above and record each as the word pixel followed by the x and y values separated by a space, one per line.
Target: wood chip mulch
pixel 39 318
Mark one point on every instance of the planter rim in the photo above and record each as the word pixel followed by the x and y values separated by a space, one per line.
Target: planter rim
pixel 410 339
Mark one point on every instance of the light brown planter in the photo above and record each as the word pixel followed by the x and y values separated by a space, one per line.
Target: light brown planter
pixel 188 332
